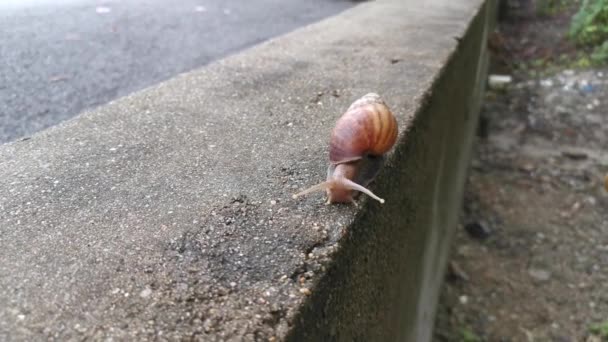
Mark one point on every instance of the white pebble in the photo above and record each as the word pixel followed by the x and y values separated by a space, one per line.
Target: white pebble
pixel 499 81
pixel 540 275
pixel 546 83
pixel 145 293
pixel 103 9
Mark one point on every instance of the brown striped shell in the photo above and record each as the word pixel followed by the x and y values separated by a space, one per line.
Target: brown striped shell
pixel 367 128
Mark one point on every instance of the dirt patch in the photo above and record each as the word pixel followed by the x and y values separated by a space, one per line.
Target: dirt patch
pixel 530 259
pixel 532 36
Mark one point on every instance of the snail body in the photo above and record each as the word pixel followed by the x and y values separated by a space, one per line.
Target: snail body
pixel 364 133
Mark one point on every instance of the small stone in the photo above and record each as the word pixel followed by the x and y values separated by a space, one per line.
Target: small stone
pixel 103 9
pixel 546 83
pixel 80 328
pixel 497 82
pixel 478 230
pixel 232 284
pixel 273 202
pixel 456 272
pixel 575 207
pixel 145 293
pixel 207 325
pixel 539 274
pixel 305 291
pixel 574 155
pixel 590 200
pixel 587 88
pixel 463 300
pixel 464 251
pixel 527 167
pixel 561 110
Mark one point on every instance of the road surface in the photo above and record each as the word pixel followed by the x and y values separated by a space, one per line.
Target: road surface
pixel 60 57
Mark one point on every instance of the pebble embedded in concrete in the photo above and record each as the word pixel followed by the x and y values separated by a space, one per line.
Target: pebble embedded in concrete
pixel 145 293
pixel 539 274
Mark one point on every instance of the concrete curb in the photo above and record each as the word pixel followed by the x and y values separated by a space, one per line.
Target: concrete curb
pixel 167 214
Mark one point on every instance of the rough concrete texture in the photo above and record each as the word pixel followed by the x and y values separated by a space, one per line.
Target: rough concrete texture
pixel 168 214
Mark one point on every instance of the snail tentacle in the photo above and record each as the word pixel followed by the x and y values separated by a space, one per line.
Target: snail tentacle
pixel 348 184
pixel 319 187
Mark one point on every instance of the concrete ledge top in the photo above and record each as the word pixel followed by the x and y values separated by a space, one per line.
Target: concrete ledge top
pixel 169 212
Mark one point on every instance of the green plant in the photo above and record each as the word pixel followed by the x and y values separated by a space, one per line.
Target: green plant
pixel 582 62
pixel 600 54
pixel 600 329
pixel 466 335
pixel 589 25
pixel 550 7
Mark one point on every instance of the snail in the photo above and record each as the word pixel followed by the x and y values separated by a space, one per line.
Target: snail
pixel 358 142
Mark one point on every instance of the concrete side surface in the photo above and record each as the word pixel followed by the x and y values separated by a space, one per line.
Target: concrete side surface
pixel 167 214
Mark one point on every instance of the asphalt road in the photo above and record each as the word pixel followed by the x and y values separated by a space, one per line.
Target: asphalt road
pixel 60 57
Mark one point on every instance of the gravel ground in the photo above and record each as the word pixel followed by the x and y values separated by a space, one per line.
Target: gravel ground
pixel 530 259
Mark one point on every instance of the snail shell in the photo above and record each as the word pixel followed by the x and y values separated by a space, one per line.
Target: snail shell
pixel 367 128
pixel 358 142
